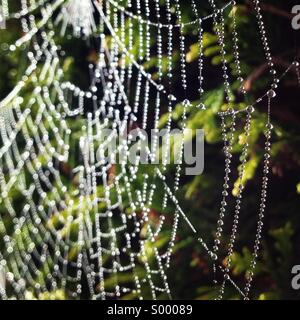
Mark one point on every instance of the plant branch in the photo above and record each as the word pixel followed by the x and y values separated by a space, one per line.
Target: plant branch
pixel 259 71
pixel 272 9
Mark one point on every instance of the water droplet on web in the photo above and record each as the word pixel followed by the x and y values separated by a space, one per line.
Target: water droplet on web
pixel 201 106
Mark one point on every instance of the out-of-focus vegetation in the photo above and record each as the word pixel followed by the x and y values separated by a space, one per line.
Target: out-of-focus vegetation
pixel 200 196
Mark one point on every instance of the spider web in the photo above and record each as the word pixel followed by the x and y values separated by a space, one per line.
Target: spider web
pixel 73 224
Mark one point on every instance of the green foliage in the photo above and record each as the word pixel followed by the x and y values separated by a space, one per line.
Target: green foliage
pixel 190 273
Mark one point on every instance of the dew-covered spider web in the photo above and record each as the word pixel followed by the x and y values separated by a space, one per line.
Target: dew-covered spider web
pixel 73 223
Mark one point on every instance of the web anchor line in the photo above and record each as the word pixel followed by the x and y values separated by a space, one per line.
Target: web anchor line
pixel 162 25
pixel 199 239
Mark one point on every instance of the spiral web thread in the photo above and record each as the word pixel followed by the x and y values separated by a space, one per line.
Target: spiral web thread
pixel 97 238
